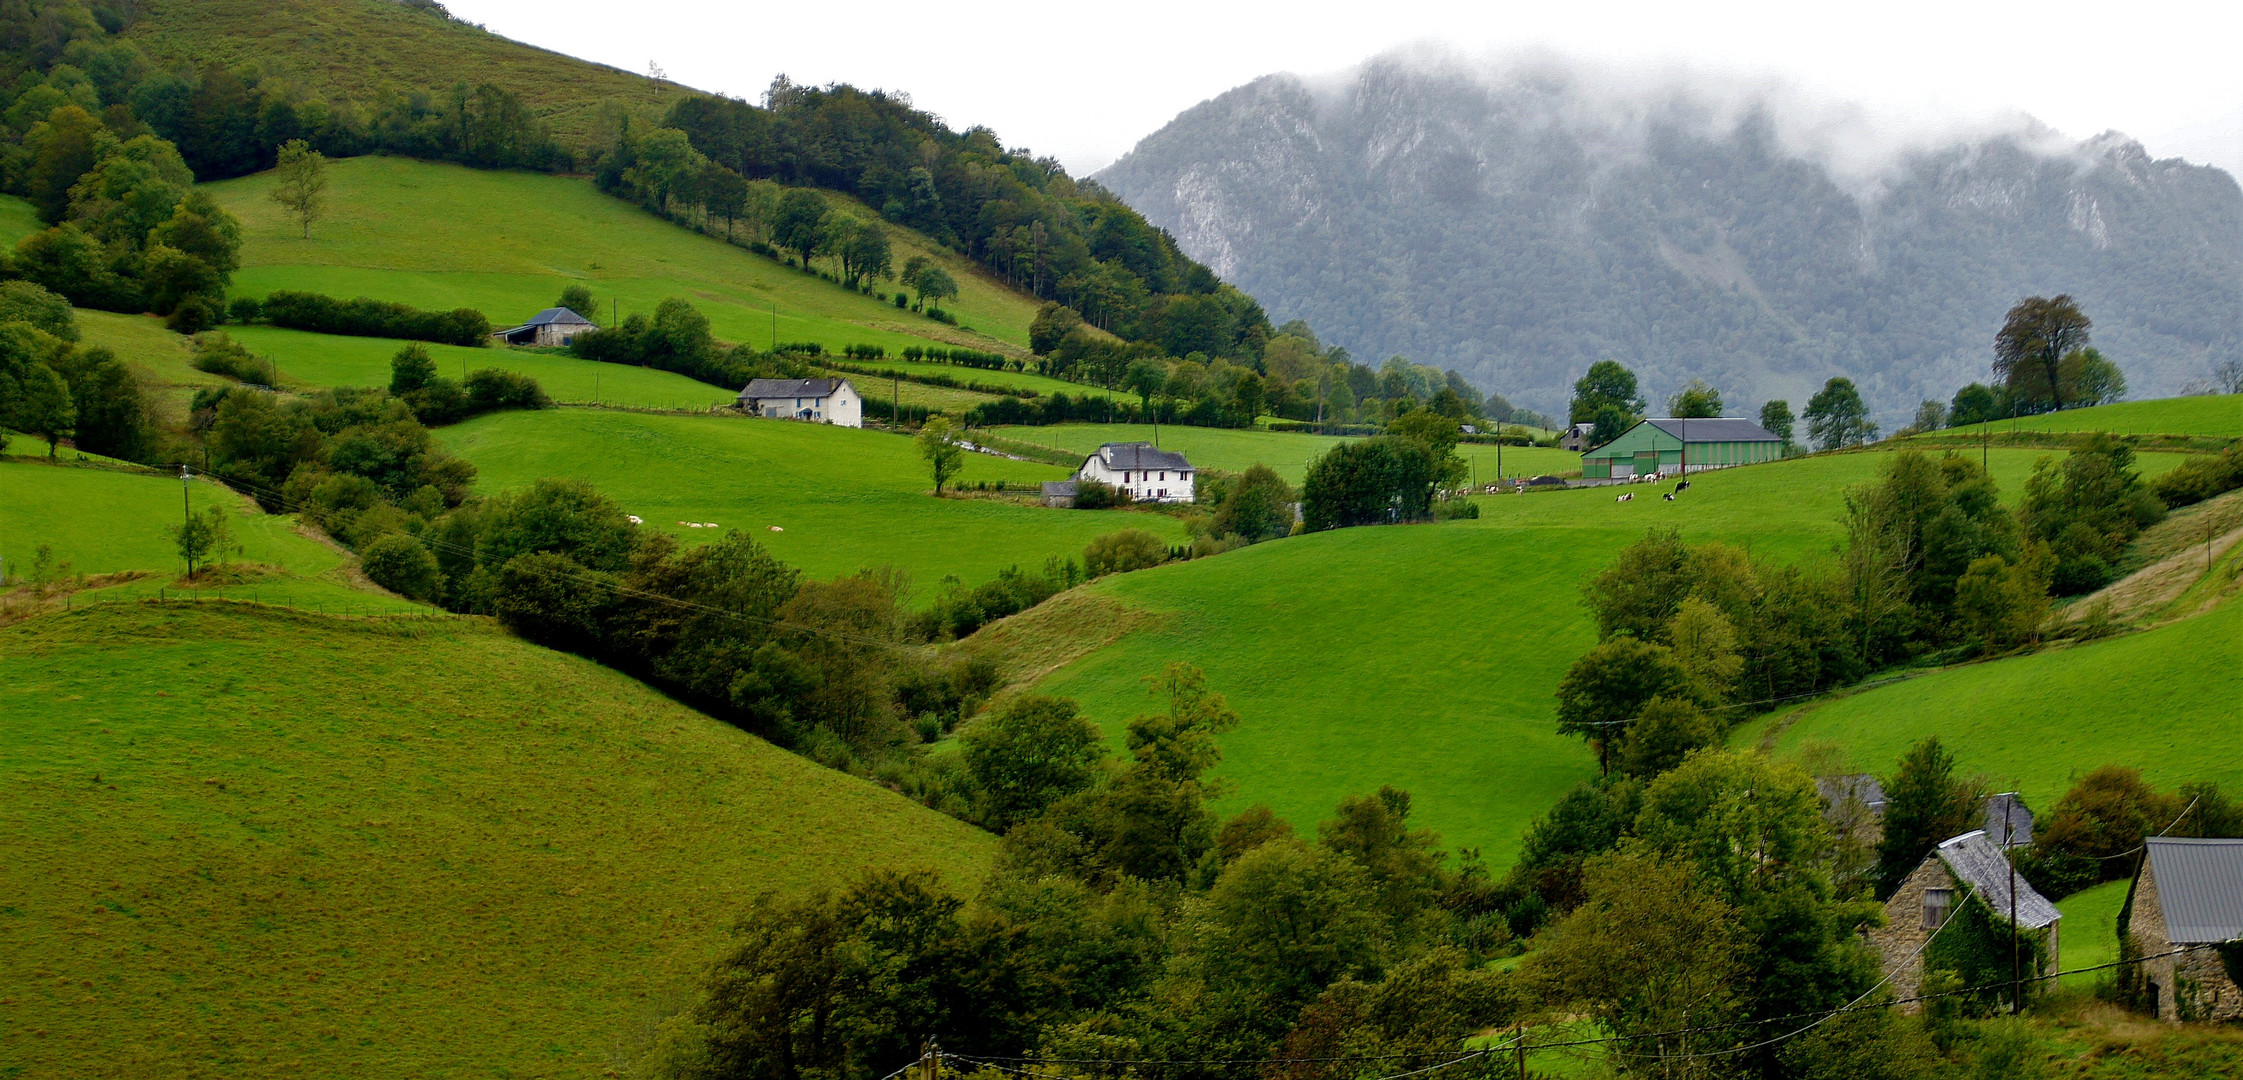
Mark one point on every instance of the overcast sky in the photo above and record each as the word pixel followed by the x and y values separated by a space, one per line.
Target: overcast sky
pixel 1086 81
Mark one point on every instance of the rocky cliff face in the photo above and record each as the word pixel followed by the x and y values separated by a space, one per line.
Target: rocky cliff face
pixel 1520 227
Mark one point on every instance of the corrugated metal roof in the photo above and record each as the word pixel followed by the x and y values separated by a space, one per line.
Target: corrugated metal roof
pixel 790 388
pixel 1977 861
pixel 2200 888
pixel 1714 429
pixel 1136 456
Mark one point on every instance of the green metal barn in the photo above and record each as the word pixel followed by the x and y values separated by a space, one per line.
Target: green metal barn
pixel 1669 446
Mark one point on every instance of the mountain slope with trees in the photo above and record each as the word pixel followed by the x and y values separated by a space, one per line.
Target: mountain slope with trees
pixel 1522 225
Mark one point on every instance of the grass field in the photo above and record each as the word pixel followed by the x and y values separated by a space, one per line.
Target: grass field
pixel 320 360
pixel 2090 931
pixel 1019 380
pixel 2205 415
pixel 104 521
pixel 846 498
pixel 18 219
pixel 1234 449
pixel 243 842
pixel 2163 701
pixel 1426 656
pixel 509 242
pixel 359 48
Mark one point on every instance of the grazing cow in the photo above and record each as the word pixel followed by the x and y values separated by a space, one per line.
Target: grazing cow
pixel 1669 496
pixel 1625 497
pixel 1682 487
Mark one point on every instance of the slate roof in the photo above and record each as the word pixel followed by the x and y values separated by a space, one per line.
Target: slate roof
pixel 1977 861
pixel 790 388
pixel 1137 456
pixel 1059 489
pixel 1835 790
pixel 2200 888
pixel 1714 429
pixel 557 315
pixel 2011 805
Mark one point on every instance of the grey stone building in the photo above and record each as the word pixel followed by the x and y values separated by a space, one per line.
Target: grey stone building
pixel 1968 869
pixel 2188 893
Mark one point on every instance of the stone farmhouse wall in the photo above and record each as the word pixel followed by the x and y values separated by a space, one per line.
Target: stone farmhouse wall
pixel 1900 942
pixel 2191 986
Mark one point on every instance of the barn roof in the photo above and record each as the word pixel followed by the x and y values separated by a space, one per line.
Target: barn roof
pixel 1977 861
pixel 1865 788
pixel 1135 456
pixel 2199 887
pixel 1714 429
pixel 790 388
pixel 2010 805
pixel 557 316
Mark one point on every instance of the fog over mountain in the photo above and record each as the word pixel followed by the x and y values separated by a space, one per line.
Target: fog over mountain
pixel 1520 220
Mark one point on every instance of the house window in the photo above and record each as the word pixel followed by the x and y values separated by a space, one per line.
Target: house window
pixel 1938 904
pixel 1164 474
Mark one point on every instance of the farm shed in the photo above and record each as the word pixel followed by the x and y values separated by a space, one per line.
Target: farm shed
pixel 825 401
pixel 2188 892
pixel 1968 869
pixel 1576 437
pixel 555 326
pixel 1146 473
pixel 1666 446
pixel 1059 493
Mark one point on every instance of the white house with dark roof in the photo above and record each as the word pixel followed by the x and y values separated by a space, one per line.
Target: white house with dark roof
pixel 2188 895
pixel 553 327
pixel 1146 473
pixel 823 401
pixel 1967 869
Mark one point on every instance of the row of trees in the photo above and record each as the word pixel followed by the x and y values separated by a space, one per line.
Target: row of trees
pixel 1607 396
pixel 229 121
pixel 53 388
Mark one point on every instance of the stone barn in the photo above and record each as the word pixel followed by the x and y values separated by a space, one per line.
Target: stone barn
pixel 2188 893
pixel 553 327
pixel 1969 869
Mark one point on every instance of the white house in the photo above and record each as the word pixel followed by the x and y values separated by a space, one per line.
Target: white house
pixel 824 401
pixel 552 327
pixel 1148 475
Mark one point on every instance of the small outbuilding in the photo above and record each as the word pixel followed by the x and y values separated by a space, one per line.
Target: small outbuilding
pixel 2188 894
pixel 1576 438
pixel 1968 869
pixel 821 401
pixel 554 327
pixel 1059 493
pixel 1666 446
pixel 1146 473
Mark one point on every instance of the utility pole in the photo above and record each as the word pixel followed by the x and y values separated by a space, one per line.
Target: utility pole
pixel 2008 827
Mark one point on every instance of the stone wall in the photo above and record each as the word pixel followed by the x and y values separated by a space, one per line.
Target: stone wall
pixel 2194 981
pixel 1900 942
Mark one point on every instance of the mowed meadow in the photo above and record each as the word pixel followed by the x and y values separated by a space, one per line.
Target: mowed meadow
pixel 244 841
pixel 841 499
pixel 1427 656
pixel 1289 453
pixel 2218 415
pixel 509 242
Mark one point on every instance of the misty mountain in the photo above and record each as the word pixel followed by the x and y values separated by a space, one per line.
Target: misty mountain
pixel 1518 226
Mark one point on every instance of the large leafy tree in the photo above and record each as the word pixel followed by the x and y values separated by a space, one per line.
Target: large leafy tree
pixel 1837 417
pixel 1925 803
pixel 1606 384
pixel 2030 348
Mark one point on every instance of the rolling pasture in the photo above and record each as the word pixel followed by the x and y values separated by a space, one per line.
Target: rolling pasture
pixel 2220 415
pixel 1426 656
pixel 309 360
pixel 18 219
pixel 846 498
pixel 1235 449
pixel 511 241
pixel 250 842
pixel 104 521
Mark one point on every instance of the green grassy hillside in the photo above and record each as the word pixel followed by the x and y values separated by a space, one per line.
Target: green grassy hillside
pixel 2220 415
pixel 1426 656
pixel 245 842
pixel 445 236
pixel 846 498
pixel 103 521
pixel 359 48
pixel 320 360
pixel 2090 934
pixel 2163 700
pixel 1234 449
pixel 18 219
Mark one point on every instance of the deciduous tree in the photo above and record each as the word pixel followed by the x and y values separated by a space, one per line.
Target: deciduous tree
pixel 300 183
pixel 2030 348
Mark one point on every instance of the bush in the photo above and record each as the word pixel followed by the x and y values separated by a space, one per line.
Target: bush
pixel 492 389
pixel 1098 495
pixel 194 315
pixel 1122 552
pixel 2200 478
pixel 245 310
pixel 1374 481
pixel 24 302
pixel 365 317
pixel 221 355
pixel 401 564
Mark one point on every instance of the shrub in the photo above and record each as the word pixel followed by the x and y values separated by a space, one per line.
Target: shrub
pixel 25 302
pixel 194 315
pixel 221 355
pixel 492 389
pixel 245 310
pixel 1098 495
pixel 401 564
pixel 1122 552
pixel 2200 478
pixel 365 317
